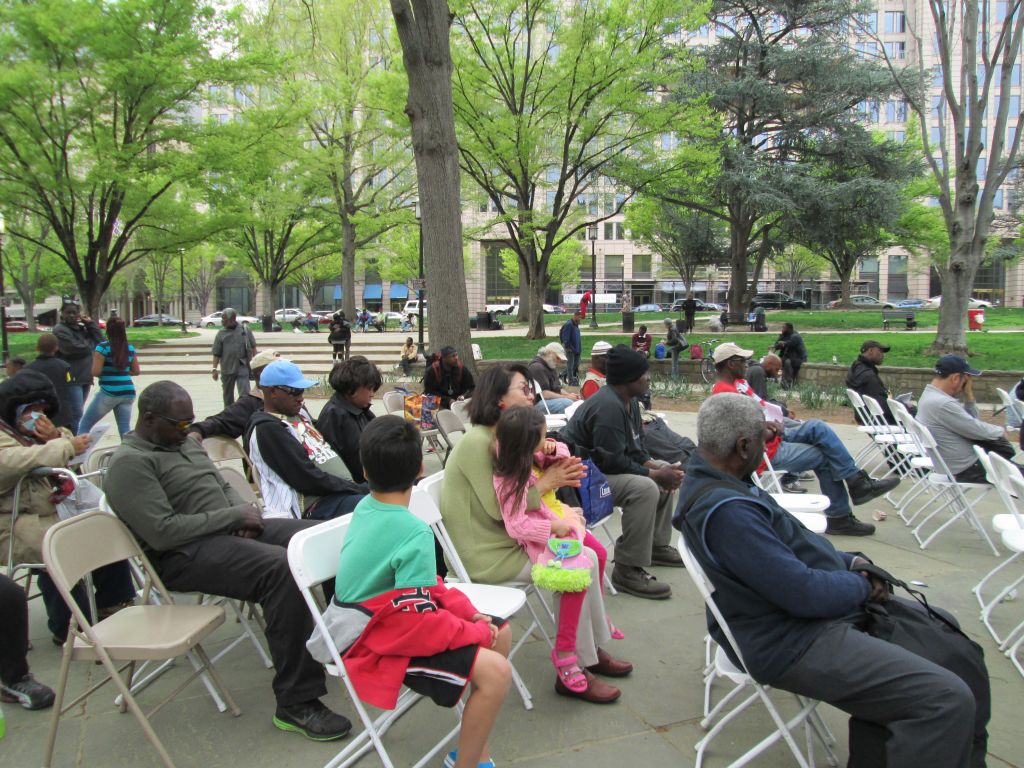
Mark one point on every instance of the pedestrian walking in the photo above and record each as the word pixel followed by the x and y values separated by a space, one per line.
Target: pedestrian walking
pixel 233 348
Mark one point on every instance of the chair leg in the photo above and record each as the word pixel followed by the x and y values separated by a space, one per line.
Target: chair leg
pixel 58 703
pixel 228 699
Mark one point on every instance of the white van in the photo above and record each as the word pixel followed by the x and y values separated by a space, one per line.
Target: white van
pixel 412 307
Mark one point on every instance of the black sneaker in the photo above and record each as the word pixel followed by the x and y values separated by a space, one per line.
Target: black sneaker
pixel 28 692
pixel 313 720
pixel 848 526
pixel 636 581
pixel 863 489
pixel 792 485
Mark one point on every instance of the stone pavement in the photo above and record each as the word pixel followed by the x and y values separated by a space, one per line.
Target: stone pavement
pixel 654 724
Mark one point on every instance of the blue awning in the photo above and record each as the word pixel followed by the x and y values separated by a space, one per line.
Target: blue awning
pixel 337 292
pixel 399 291
pixel 373 292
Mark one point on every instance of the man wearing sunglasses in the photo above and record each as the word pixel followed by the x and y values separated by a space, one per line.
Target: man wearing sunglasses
pixel 301 475
pixel 201 536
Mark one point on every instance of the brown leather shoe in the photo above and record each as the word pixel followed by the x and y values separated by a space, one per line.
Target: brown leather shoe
pixel 598 691
pixel 609 666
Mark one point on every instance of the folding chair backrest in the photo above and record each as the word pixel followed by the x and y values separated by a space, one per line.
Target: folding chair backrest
pixel 461 409
pixel 99 459
pixel 81 544
pixel 448 424
pixel 769 478
pixel 237 481
pixel 538 390
pixel 858 404
pixel 986 464
pixel 707 591
pixel 572 409
pixel 394 402
pixel 426 505
pixel 899 411
pixel 1008 402
pixel 926 442
pixel 1011 485
pixel 313 552
pixel 876 416
pixel 220 448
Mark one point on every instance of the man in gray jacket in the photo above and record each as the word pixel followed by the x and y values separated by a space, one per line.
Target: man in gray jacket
pixel 233 348
pixel 955 425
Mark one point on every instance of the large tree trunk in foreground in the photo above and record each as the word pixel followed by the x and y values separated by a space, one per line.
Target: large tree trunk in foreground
pixel 423 29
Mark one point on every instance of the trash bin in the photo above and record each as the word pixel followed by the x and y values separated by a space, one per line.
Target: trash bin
pixel 628 320
pixel 976 319
pixel 484 320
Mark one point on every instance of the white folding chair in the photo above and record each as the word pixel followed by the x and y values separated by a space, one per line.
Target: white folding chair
pixel 313 559
pixel 724 667
pixel 555 421
pixel 915 467
pixel 1007 480
pixel 1012 405
pixel 142 632
pixel 808 508
pixel 887 438
pixel 956 497
pixel 864 425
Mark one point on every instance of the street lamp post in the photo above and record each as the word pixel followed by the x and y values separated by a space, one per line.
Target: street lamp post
pixel 3 301
pixel 421 349
pixel 181 277
pixel 592 234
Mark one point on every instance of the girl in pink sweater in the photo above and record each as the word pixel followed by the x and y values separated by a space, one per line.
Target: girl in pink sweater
pixel 522 453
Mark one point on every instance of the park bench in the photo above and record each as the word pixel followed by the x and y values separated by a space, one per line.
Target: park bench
pixel 899 316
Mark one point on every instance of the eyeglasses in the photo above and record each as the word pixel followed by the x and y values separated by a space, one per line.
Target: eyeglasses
pixel 180 424
pixel 525 388
pixel 292 391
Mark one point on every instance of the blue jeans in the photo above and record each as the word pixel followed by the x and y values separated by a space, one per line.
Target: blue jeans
pixel 814 446
pixel 556 405
pixel 102 404
pixel 77 395
pixel 572 367
pixel 674 352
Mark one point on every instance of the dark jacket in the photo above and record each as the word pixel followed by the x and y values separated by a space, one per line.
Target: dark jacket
pixel 77 343
pixel 341 424
pixel 570 337
pixel 689 307
pixel 341 331
pixel 448 384
pixel 59 374
pixel 609 433
pixel 791 347
pixel 864 379
pixel 232 421
pixel 777 584
pixel 285 455
pixel 544 375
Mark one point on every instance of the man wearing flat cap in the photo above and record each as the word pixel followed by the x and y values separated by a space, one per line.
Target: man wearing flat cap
pixel 956 426
pixel 608 429
pixel 864 378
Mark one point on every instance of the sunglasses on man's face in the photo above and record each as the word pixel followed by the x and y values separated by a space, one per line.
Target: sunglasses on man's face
pixel 292 391
pixel 180 424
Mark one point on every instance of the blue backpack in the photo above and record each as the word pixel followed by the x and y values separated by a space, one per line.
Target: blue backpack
pixel 595 494
pixel 659 351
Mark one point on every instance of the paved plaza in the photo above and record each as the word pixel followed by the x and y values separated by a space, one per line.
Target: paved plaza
pixel 655 723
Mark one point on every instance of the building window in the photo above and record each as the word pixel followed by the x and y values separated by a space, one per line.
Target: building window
pixel 935 134
pixel 899 136
pixel 869 21
pixel 997 199
pixel 496 286
pixel 641 266
pixel 896 111
pixel 613 266
pixel 895 22
pixel 896 50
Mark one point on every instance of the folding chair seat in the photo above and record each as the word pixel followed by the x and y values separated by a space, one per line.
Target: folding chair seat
pixel 73 548
pixel 744 684
pixel 956 497
pixel 505 599
pixel 808 508
pixel 313 559
pixel 1007 480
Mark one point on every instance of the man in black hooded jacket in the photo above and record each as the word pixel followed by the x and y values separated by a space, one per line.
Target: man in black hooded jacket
pixel 864 378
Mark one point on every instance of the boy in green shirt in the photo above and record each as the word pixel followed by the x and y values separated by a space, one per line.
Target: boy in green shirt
pixel 394 620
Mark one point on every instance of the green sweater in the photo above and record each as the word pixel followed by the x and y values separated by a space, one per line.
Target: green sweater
pixel 386 547
pixel 471 514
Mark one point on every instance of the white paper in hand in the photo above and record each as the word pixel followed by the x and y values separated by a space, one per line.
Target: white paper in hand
pixel 95 435
pixel 772 412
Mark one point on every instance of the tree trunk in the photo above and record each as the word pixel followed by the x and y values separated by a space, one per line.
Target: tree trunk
pixel 739 242
pixel 423 29
pixel 844 288
pixel 538 287
pixel 951 337
pixel 524 295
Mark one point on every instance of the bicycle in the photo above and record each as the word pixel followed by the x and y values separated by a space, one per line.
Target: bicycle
pixel 707 363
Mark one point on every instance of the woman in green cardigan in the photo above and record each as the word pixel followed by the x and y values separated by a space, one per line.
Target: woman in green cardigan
pixel 472 516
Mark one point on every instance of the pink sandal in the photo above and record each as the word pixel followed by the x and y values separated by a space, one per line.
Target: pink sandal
pixel 615 632
pixel 569 672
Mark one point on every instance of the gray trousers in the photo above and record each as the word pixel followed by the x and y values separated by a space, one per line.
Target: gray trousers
pixel 928 710
pixel 646 518
pixel 230 381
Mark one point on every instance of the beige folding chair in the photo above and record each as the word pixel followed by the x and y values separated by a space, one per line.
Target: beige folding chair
pixel 448 425
pixel 461 409
pixel 313 559
pixel 394 402
pixel 75 547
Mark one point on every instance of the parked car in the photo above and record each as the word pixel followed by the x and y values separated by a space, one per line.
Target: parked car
pixel 150 321
pixel 213 319
pixel 702 306
pixel 865 302
pixel 289 315
pixel 16 326
pixel 648 308
pixel 936 301
pixel 412 307
pixel 777 300
pixel 911 303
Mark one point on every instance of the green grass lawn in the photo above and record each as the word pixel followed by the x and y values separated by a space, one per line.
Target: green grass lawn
pixel 24 344
pixel 1001 352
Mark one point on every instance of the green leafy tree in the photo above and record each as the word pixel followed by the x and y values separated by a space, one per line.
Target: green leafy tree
pixel 796 264
pixel 563 268
pixel 313 276
pixel 203 265
pixel 95 98
pixel 30 269
pixel 978 46
pixel 784 79
pixel 552 99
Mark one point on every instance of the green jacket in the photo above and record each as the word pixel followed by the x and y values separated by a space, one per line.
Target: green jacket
pixel 471 514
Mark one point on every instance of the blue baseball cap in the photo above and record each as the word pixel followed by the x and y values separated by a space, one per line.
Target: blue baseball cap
pixel 282 373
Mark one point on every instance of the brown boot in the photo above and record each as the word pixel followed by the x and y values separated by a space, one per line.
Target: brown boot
pixel 609 666
pixel 598 691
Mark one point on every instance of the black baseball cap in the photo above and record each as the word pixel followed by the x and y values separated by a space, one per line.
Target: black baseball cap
pixel 872 344
pixel 948 364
